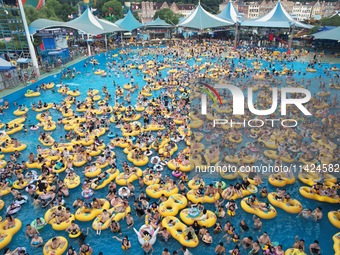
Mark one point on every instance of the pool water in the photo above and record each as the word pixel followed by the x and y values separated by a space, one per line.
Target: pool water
pixel 282 229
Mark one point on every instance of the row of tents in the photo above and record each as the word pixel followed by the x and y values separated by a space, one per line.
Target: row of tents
pixel 199 19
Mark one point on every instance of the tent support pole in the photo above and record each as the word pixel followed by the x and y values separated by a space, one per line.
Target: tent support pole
pixel 236 35
pixel 28 37
pixel 88 46
pixel 290 41
pixel 105 42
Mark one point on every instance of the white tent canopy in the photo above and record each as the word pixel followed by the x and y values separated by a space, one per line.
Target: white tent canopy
pixel 86 23
pixel 333 34
pixel 201 19
pixel 278 17
pixel 229 13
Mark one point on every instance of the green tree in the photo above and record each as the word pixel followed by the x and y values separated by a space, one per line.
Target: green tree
pixel 31 14
pixel 47 13
pixel 211 6
pixel 314 30
pixel 135 14
pixel 333 21
pixel 168 16
pixel 99 4
pixel 61 10
pixel 113 7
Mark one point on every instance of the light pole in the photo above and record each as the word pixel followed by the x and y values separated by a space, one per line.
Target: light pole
pixel 28 37
pixel 237 25
pixel 291 35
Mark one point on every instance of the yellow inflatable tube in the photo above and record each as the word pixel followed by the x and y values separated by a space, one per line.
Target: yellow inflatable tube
pixel 308 178
pixel 208 222
pixel 71 184
pixel 10 149
pixel 185 168
pixel 156 190
pixel 61 248
pixel 334 218
pixel 138 162
pixel 114 216
pixel 83 215
pixel 191 195
pixel 112 174
pixel 252 189
pixel 293 206
pixel 264 215
pixel 178 231
pixel 281 181
pixel 9 233
pixel 271 154
pixel 294 251
pixel 20 112
pixel 336 246
pixel 62 225
pixel 173 205
pixel 123 180
pixel 306 192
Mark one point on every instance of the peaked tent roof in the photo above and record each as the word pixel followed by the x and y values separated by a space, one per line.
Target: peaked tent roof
pixel 158 23
pixel 277 17
pixel 42 24
pixel 129 22
pixel 5 65
pixel 201 19
pixel 86 23
pixel 229 13
pixel 333 34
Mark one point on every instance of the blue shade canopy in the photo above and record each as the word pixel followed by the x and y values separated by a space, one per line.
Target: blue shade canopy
pixel 158 23
pixel 229 13
pixel 129 22
pixel 5 65
pixel 333 34
pixel 277 17
pixel 201 19
pixel 87 23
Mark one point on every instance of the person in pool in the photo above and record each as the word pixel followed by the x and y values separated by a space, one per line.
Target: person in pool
pixel 317 213
pixel 85 249
pixel 207 238
pixel 247 242
pixel 39 223
pixel 71 251
pixel 264 239
pixel 257 223
pixel 56 243
pixel 37 241
pixel 306 214
pixel 278 250
pixel 299 243
pixel 73 229
pixel 220 250
pixel 148 249
pixel 30 231
pixel 126 244
pixel 314 248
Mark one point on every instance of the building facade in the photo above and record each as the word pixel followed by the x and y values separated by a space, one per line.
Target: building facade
pixel 146 10
pixel 300 11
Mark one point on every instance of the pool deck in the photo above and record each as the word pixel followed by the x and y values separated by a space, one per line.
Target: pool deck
pixel 57 70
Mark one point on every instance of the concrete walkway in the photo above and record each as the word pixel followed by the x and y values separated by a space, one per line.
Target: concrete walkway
pixel 57 70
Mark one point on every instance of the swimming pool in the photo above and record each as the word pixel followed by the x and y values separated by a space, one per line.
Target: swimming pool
pixel 281 229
